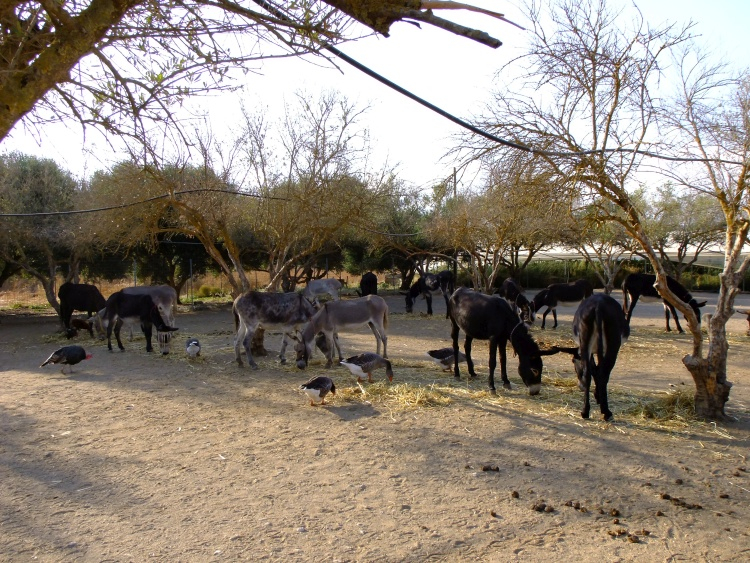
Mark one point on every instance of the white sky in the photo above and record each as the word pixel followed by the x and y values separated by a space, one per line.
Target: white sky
pixel 451 72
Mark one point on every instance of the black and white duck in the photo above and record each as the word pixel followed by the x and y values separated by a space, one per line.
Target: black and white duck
pixel 444 357
pixel 193 347
pixel 317 388
pixel 364 364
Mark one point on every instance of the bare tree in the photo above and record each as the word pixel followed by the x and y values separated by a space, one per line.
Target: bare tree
pixel 591 96
pixel 601 242
pixel 123 64
pixel 712 118
pixel 313 180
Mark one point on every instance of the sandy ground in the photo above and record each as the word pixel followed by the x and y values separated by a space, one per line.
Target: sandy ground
pixel 138 457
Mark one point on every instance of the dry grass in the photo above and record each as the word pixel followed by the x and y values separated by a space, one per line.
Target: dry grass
pixel 422 386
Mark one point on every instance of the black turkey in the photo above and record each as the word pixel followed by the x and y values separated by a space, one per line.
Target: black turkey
pixel 67 356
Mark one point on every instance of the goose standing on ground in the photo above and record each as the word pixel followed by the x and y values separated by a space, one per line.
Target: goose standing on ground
pixel 318 388
pixel 365 364
pixel 67 356
pixel 444 357
pixel 193 347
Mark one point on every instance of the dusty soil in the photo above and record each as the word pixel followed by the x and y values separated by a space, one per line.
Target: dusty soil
pixel 136 456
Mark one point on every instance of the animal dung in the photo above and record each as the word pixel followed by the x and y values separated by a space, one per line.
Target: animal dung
pixel 542 507
pixel 514 494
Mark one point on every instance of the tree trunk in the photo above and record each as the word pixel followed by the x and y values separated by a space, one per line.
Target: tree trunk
pixel 256 346
pixel 711 393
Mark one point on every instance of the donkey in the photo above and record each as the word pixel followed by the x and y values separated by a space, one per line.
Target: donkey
pixel 488 317
pixel 368 285
pixel 641 286
pixel 425 285
pixel 513 294
pixel 254 309
pixel 335 315
pixel 327 286
pixel 138 308
pixel 560 294
pixel 600 328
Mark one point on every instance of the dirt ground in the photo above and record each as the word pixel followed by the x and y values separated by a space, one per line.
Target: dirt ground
pixel 138 456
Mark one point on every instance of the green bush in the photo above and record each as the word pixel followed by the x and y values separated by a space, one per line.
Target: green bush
pixel 208 291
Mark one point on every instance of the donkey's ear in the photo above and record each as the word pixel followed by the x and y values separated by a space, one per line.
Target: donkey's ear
pixel 403 293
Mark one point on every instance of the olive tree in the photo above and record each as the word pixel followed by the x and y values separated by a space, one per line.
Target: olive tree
pixel 682 224
pixel 32 241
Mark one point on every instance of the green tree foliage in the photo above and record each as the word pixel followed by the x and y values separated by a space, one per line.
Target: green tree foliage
pixel 38 245
pixel 682 224
pixel 148 206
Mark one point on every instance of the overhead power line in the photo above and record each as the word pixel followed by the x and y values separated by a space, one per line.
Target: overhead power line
pixel 474 129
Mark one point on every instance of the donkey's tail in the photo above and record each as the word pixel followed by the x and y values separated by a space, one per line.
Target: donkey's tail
pixel 625 299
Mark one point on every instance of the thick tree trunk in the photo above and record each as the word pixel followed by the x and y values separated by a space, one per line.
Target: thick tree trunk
pixel 711 392
pixel 256 346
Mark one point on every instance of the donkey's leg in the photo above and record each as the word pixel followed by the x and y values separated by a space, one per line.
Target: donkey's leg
pixel 469 362
pixel 282 351
pixel 237 339
pixel 454 339
pixel 493 364
pixel 380 335
pixel 676 320
pixel 334 346
pixel 247 340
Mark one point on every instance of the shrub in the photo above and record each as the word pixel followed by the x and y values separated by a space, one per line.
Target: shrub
pixel 208 291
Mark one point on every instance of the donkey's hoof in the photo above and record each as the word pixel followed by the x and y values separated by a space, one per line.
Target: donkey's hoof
pixel 493 392
pixel 507 386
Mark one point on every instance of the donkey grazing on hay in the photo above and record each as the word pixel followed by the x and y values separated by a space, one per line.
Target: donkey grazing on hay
pixel 254 309
pixel 488 317
pixel 425 285
pixel 335 315
pixel 600 328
